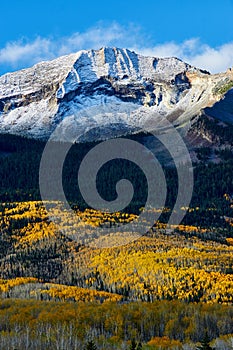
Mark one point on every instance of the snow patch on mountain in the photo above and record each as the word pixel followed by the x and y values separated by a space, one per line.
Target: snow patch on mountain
pixel 110 89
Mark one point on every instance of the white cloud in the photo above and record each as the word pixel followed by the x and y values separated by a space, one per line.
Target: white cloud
pixel 215 59
pixel 15 53
pixel 196 53
pixel 24 53
pixel 94 38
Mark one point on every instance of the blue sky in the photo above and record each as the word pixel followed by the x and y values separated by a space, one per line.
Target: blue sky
pixel 200 32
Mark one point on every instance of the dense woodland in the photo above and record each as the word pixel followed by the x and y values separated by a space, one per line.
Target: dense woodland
pixel 166 290
pixel 163 290
pixel 155 267
pixel 40 325
pixel 19 174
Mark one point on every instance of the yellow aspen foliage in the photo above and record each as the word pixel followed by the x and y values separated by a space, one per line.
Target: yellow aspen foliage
pixel 64 293
pixel 6 285
pixel 164 343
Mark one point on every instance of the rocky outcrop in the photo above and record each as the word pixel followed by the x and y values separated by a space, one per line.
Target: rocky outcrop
pixel 104 88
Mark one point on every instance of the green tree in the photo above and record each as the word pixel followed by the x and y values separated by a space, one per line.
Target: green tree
pixel 205 344
pixel 91 345
pixel 135 346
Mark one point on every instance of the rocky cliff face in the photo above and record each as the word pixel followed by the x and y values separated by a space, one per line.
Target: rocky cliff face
pixel 113 90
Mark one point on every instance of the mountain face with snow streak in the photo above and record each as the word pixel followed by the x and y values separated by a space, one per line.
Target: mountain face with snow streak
pixel 114 91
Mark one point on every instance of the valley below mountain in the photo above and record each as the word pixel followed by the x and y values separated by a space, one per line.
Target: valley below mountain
pixel 168 288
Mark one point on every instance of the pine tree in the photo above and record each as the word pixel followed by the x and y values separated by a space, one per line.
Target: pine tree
pixel 135 346
pixel 205 344
pixel 91 345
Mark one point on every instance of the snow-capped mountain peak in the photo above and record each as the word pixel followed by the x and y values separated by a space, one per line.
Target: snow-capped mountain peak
pixel 129 86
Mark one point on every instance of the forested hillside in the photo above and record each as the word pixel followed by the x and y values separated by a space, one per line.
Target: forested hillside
pixel 159 325
pixel 166 290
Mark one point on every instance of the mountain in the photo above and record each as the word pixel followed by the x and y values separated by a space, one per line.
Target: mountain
pixel 99 94
pixel 92 278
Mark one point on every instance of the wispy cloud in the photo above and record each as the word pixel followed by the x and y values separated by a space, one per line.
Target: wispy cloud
pixel 21 52
pixel 99 36
pixel 193 51
pixel 24 53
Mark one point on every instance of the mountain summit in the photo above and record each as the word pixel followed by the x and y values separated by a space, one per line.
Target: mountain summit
pixel 111 89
